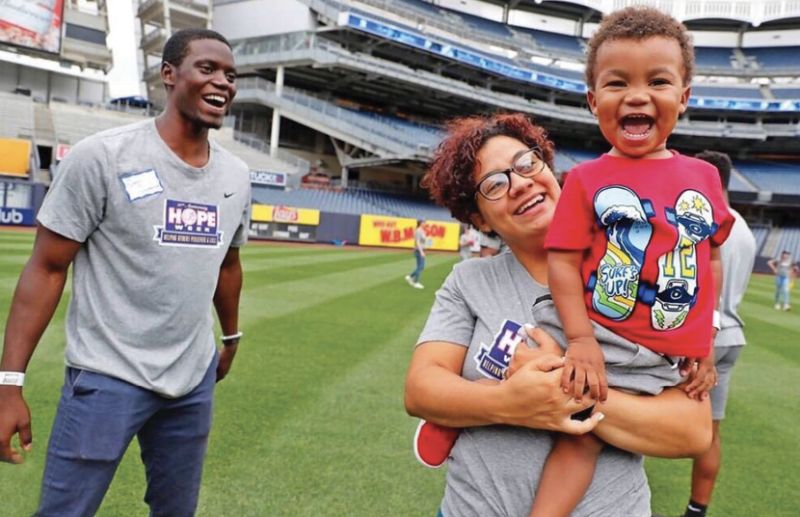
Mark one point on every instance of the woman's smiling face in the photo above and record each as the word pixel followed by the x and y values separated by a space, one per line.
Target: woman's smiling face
pixel 527 208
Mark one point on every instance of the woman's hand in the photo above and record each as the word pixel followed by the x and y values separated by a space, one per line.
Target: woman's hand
pixel 546 350
pixel 532 394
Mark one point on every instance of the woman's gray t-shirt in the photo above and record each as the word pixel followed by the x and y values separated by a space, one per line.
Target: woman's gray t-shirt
pixel 494 470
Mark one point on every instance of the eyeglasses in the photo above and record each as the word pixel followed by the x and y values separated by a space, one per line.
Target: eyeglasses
pixel 495 185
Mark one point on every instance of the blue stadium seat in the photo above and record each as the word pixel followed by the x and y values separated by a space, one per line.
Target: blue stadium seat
pixel 773 177
pixel 711 57
pixel 789 240
pixel 351 201
pixel 486 25
pixel 775 57
pixel 727 92
pixel 760 233
pixel 554 41
pixel 785 93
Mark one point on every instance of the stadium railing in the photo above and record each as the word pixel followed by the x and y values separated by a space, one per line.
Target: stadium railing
pixel 373 135
pixel 303 46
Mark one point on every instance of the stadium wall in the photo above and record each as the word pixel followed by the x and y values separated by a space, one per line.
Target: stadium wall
pixel 287 223
pixel 19 202
pixel 44 85
pixel 238 19
pixel 342 228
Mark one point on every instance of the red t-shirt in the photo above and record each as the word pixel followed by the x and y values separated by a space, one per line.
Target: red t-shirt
pixel 646 227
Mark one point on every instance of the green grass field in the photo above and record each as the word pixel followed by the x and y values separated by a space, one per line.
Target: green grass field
pixel 311 420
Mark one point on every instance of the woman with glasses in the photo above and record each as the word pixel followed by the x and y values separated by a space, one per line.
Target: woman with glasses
pixel 495 173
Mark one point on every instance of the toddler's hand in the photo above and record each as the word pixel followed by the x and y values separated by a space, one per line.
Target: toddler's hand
pixel 702 379
pixel 584 365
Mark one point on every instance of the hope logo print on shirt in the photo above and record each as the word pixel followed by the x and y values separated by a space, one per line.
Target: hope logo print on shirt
pixel 189 224
pixel 493 361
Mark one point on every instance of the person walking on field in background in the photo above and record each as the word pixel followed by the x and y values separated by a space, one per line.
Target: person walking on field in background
pixel 419 255
pixel 491 245
pixel 784 270
pixel 738 255
pixel 152 216
pixel 465 242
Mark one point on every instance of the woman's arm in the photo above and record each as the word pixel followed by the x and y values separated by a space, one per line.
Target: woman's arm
pixel 531 397
pixel 669 425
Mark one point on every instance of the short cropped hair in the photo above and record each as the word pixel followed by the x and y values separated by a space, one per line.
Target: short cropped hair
pixel 639 22
pixel 721 161
pixel 177 45
pixel 449 179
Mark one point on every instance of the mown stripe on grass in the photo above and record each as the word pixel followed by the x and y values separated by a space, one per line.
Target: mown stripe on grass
pixel 321 373
pixel 281 297
pixel 309 271
pixel 259 264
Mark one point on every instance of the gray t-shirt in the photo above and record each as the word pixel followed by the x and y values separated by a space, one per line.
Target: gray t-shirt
pixel 419 239
pixel 783 268
pixel 738 254
pixel 154 233
pixel 494 470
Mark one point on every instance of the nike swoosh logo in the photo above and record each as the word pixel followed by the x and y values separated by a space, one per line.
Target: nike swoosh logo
pixel 228 194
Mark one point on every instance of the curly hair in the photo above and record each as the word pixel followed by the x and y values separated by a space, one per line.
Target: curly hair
pixel 637 23
pixel 449 180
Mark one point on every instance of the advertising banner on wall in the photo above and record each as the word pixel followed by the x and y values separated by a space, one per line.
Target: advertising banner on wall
pixel 284 214
pixel 16 216
pixel 15 156
pixel 32 24
pixel 272 179
pixel 284 222
pixel 398 232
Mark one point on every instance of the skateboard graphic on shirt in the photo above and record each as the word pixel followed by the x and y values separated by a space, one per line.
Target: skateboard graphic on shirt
pixel 676 289
pixel 625 219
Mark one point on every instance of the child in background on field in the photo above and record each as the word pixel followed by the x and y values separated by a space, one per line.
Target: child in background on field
pixel 634 244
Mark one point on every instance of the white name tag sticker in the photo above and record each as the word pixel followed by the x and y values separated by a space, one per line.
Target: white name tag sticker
pixel 142 184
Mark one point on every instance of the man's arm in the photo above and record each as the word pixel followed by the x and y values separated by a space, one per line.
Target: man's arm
pixel 226 302
pixel 35 300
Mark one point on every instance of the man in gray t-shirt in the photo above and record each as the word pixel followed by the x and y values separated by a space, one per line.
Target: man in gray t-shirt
pixel 151 215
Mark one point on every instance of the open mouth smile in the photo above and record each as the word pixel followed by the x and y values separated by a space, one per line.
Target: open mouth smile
pixel 215 100
pixel 534 202
pixel 637 126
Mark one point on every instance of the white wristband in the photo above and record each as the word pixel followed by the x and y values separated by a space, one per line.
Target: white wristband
pixel 716 320
pixel 232 337
pixel 12 378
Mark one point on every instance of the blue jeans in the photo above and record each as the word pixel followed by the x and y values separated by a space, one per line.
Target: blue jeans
pixel 96 420
pixel 782 290
pixel 417 273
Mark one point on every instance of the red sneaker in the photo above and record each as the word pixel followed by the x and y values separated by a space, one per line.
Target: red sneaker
pixel 433 443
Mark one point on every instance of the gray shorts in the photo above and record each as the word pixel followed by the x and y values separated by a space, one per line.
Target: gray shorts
pixel 628 366
pixel 724 359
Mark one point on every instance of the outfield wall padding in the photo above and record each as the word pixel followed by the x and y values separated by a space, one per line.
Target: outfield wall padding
pixel 338 228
